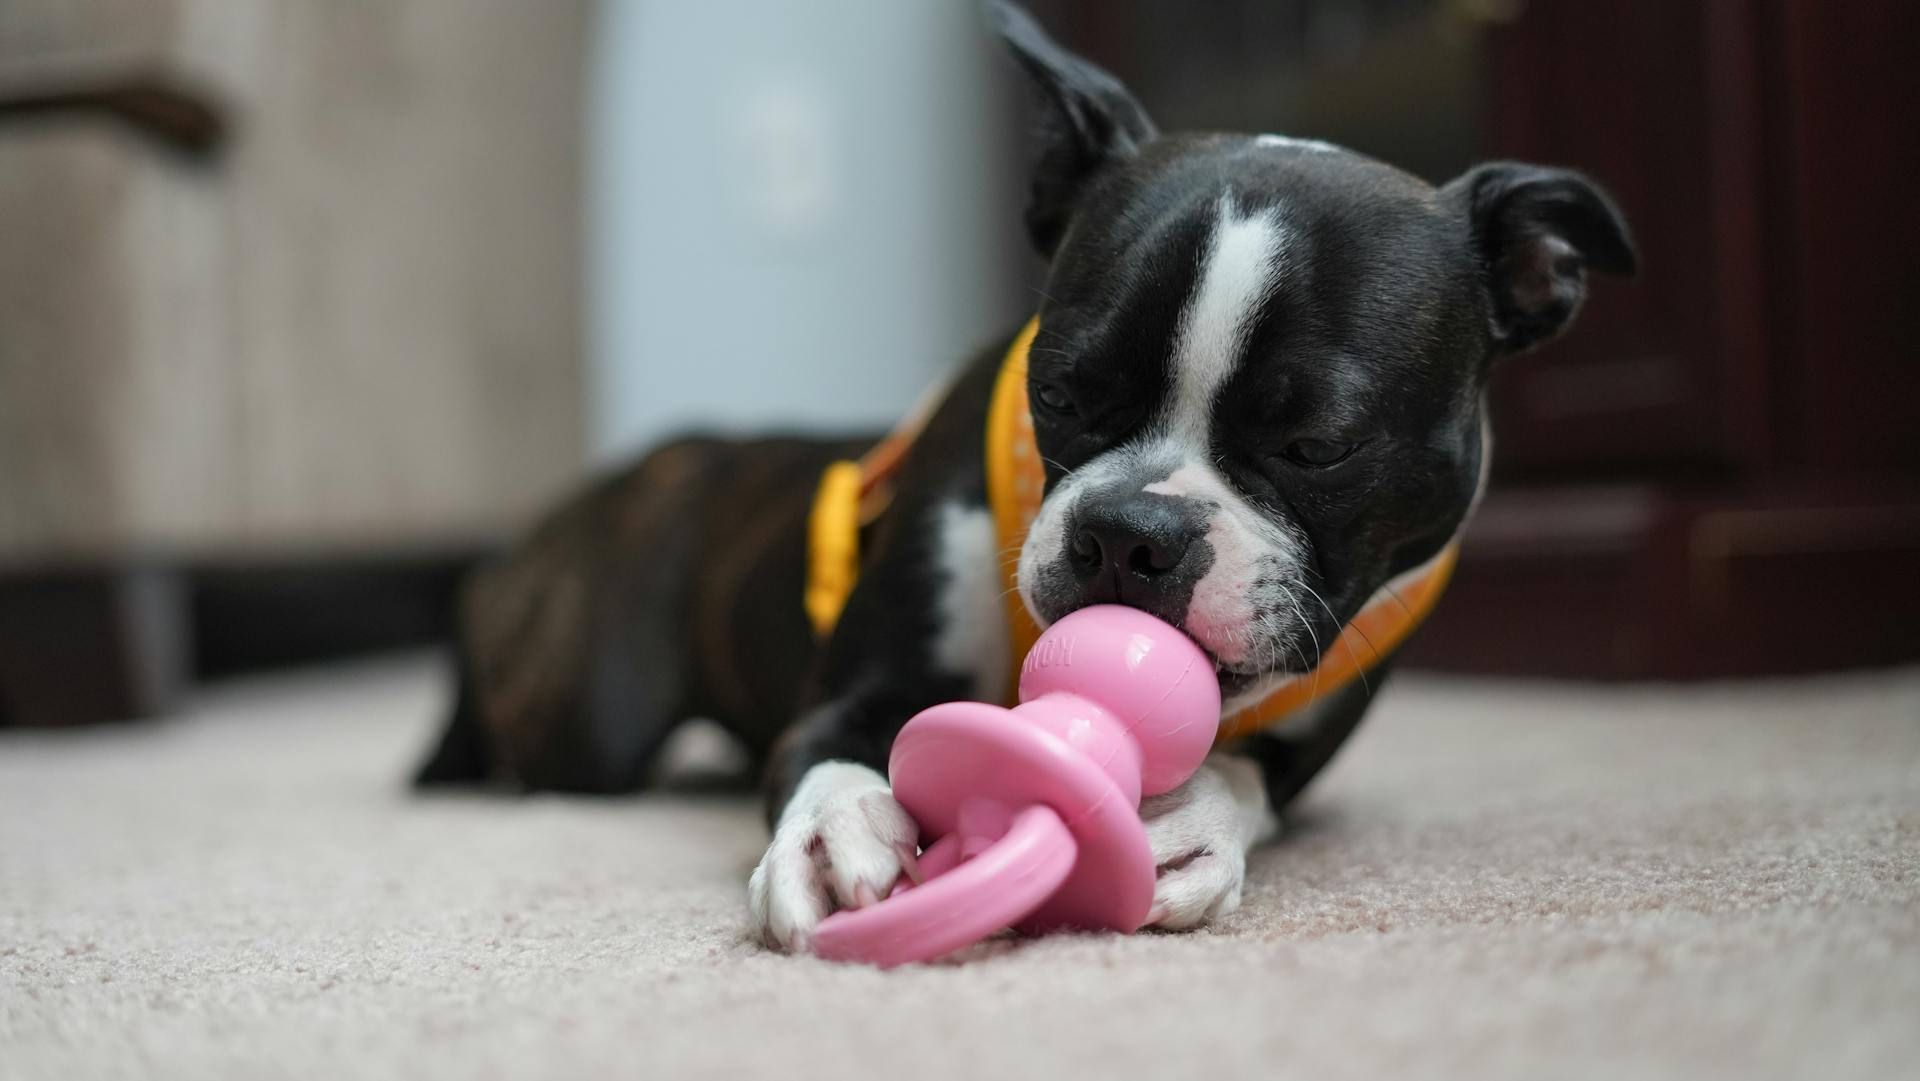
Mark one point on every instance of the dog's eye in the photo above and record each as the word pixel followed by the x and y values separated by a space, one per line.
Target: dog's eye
pixel 1317 453
pixel 1053 398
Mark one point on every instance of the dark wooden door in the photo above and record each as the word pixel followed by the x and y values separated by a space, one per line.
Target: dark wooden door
pixel 1658 101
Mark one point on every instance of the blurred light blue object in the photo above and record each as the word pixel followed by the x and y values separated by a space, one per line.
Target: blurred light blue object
pixel 800 214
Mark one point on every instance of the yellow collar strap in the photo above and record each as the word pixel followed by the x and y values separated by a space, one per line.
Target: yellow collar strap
pixel 1016 483
pixel 851 495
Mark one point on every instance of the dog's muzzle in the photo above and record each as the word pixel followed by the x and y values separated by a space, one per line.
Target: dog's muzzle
pixel 1138 549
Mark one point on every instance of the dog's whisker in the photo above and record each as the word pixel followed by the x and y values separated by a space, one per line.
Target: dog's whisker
pixel 1376 656
pixel 1318 654
pixel 1401 601
pixel 1324 606
pixel 1360 668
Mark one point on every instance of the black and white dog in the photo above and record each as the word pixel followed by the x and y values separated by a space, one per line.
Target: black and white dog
pixel 1259 377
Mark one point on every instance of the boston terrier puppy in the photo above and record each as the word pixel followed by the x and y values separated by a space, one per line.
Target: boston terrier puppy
pixel 1258 391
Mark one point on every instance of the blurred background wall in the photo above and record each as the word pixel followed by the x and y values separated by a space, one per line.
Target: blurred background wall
pixel 306 303
pixel 356 323
pixel 291 303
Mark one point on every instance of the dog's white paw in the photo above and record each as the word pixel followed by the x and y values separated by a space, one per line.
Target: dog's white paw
pixel 841 842
pixel 1200 834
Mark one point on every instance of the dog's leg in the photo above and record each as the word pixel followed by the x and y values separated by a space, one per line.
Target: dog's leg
pixel 1201 833
pixel 572 653
pixel 841 842
pixel 923 627
pixel 462 755
pixel 1294 754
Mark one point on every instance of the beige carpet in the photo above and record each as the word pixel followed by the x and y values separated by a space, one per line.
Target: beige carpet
pixel 1497 881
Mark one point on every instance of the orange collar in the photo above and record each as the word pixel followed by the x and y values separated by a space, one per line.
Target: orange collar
pixel 1016 483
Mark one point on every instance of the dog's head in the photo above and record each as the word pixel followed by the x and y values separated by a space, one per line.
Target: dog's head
pixel 1258 381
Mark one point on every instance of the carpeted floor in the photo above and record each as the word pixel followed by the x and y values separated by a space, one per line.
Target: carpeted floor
pixel 1496 881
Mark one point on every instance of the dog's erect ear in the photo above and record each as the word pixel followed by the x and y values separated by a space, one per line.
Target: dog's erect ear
pixel 1536 231
pixel 1088 120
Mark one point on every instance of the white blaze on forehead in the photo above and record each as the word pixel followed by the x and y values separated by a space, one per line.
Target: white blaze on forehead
pixel 1311 146
pixel 1238 603
pixel 1237 273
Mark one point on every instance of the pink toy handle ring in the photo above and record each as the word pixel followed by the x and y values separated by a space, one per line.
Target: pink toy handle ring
pixel 991 891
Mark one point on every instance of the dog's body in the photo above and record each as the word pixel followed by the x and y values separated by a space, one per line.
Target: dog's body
pixel 1257 388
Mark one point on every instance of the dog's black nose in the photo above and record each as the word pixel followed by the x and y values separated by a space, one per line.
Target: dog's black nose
pixel 1141 539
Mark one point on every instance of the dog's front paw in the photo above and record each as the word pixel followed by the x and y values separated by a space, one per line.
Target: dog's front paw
pixel 1200 834
pixel 841 842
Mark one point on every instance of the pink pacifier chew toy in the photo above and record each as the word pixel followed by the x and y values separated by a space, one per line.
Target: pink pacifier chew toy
pixel 1036 809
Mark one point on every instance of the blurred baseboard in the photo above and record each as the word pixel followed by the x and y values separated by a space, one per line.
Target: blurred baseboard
pixel 1645 583
pixel 112 640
